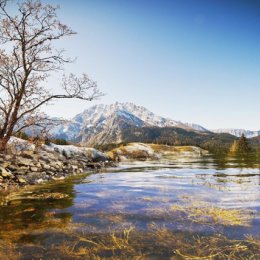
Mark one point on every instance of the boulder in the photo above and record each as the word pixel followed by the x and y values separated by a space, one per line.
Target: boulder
pixel 24 162
pixel 134 151
pixel 34 169
pixel 28 154
pixel 4 173
pixel 71 151
pixel 13 168
pixel 21 180
pixel 46 166
pixel 6 164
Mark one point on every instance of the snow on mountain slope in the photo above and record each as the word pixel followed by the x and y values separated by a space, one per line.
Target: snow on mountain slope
pixel 67 131
pixel 98 114
pixel 197 127
pixel 238 132
pixel 104 123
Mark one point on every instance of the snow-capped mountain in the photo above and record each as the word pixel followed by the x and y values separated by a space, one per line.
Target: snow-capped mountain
pixel 238 132
pixel 104 123
pixel 99 113
pixel 196 127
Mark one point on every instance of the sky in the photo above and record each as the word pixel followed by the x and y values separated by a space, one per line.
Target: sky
pixel 191 60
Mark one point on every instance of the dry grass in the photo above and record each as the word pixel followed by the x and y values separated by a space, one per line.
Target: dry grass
pixel 176 149
pixel 169 152
pixel 119 153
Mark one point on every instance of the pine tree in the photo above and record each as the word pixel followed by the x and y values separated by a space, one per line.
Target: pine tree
pixel 241 146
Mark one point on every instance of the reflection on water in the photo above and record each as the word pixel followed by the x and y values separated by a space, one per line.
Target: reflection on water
pixel 197 208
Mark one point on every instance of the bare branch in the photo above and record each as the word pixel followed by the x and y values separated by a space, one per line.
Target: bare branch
pixel 28 36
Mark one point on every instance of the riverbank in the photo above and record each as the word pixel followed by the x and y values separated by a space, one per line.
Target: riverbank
pixel 189 209
pixel 30 166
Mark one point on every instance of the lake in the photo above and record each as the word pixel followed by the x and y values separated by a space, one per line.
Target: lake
pixel 188 208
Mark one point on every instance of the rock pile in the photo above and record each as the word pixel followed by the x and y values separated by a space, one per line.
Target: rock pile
pixel 30 167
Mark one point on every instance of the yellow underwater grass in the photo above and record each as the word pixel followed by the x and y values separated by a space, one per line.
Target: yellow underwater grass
pixel 157 242
pixel 161 243
pixel 202 212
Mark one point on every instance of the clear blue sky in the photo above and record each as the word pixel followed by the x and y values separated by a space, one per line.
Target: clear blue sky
pixel 191 60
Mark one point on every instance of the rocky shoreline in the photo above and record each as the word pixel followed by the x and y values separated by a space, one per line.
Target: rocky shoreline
pixel 30 167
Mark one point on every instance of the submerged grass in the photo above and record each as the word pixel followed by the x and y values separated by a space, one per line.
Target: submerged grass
pixel 157 242
pixel 51 234
pixel 8 251
pixel 80 242
pixel 204 213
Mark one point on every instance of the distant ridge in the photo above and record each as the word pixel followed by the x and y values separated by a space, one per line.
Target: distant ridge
pixel 238 132
pixel 104 123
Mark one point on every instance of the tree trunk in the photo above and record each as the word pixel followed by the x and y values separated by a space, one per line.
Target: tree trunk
pixel 3 143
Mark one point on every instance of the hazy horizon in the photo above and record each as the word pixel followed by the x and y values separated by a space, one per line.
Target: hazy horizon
pixel 193 61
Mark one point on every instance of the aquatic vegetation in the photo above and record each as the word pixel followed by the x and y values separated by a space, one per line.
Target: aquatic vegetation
pixel 8 251
pixel 139 212
pixel 157 242
pixel 202 212
pixel 148 199
pixel 52 195
pixel 219 247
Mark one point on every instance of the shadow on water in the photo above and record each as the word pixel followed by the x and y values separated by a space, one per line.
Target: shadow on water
pixel 192 208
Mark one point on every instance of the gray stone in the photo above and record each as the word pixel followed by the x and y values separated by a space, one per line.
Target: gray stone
pixel 21 172
pixel 40 181
pixel 28 155
pixel 24 162
pixel 13 168
pixel 21 180
pixel 58 178
pixel 51 173
pixel 24 168
pixel 8 157
pixel 34 169
pixel 80 170
pixel 46 166
pixel 74 167
pixel 6 164
pixel 38 165
pixel 4 173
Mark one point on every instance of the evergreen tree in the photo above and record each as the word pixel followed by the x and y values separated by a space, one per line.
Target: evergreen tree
pixel 241 145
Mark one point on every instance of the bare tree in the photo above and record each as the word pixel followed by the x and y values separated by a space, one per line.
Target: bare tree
pixel 27 58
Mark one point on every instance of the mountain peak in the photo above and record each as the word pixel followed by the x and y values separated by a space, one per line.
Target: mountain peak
pixel 104 123
pixel 237 132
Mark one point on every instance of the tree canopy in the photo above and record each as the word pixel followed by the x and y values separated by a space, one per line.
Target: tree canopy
pixel 241 146
pixel 27 59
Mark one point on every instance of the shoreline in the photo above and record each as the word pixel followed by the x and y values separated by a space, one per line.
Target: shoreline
pixel 31 168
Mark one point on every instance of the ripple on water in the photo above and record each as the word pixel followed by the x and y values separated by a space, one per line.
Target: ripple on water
pixel 192 198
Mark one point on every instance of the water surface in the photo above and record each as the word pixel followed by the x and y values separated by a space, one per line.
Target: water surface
pixel 192 208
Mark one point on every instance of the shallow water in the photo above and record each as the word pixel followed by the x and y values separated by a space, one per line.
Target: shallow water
pixel 191 208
